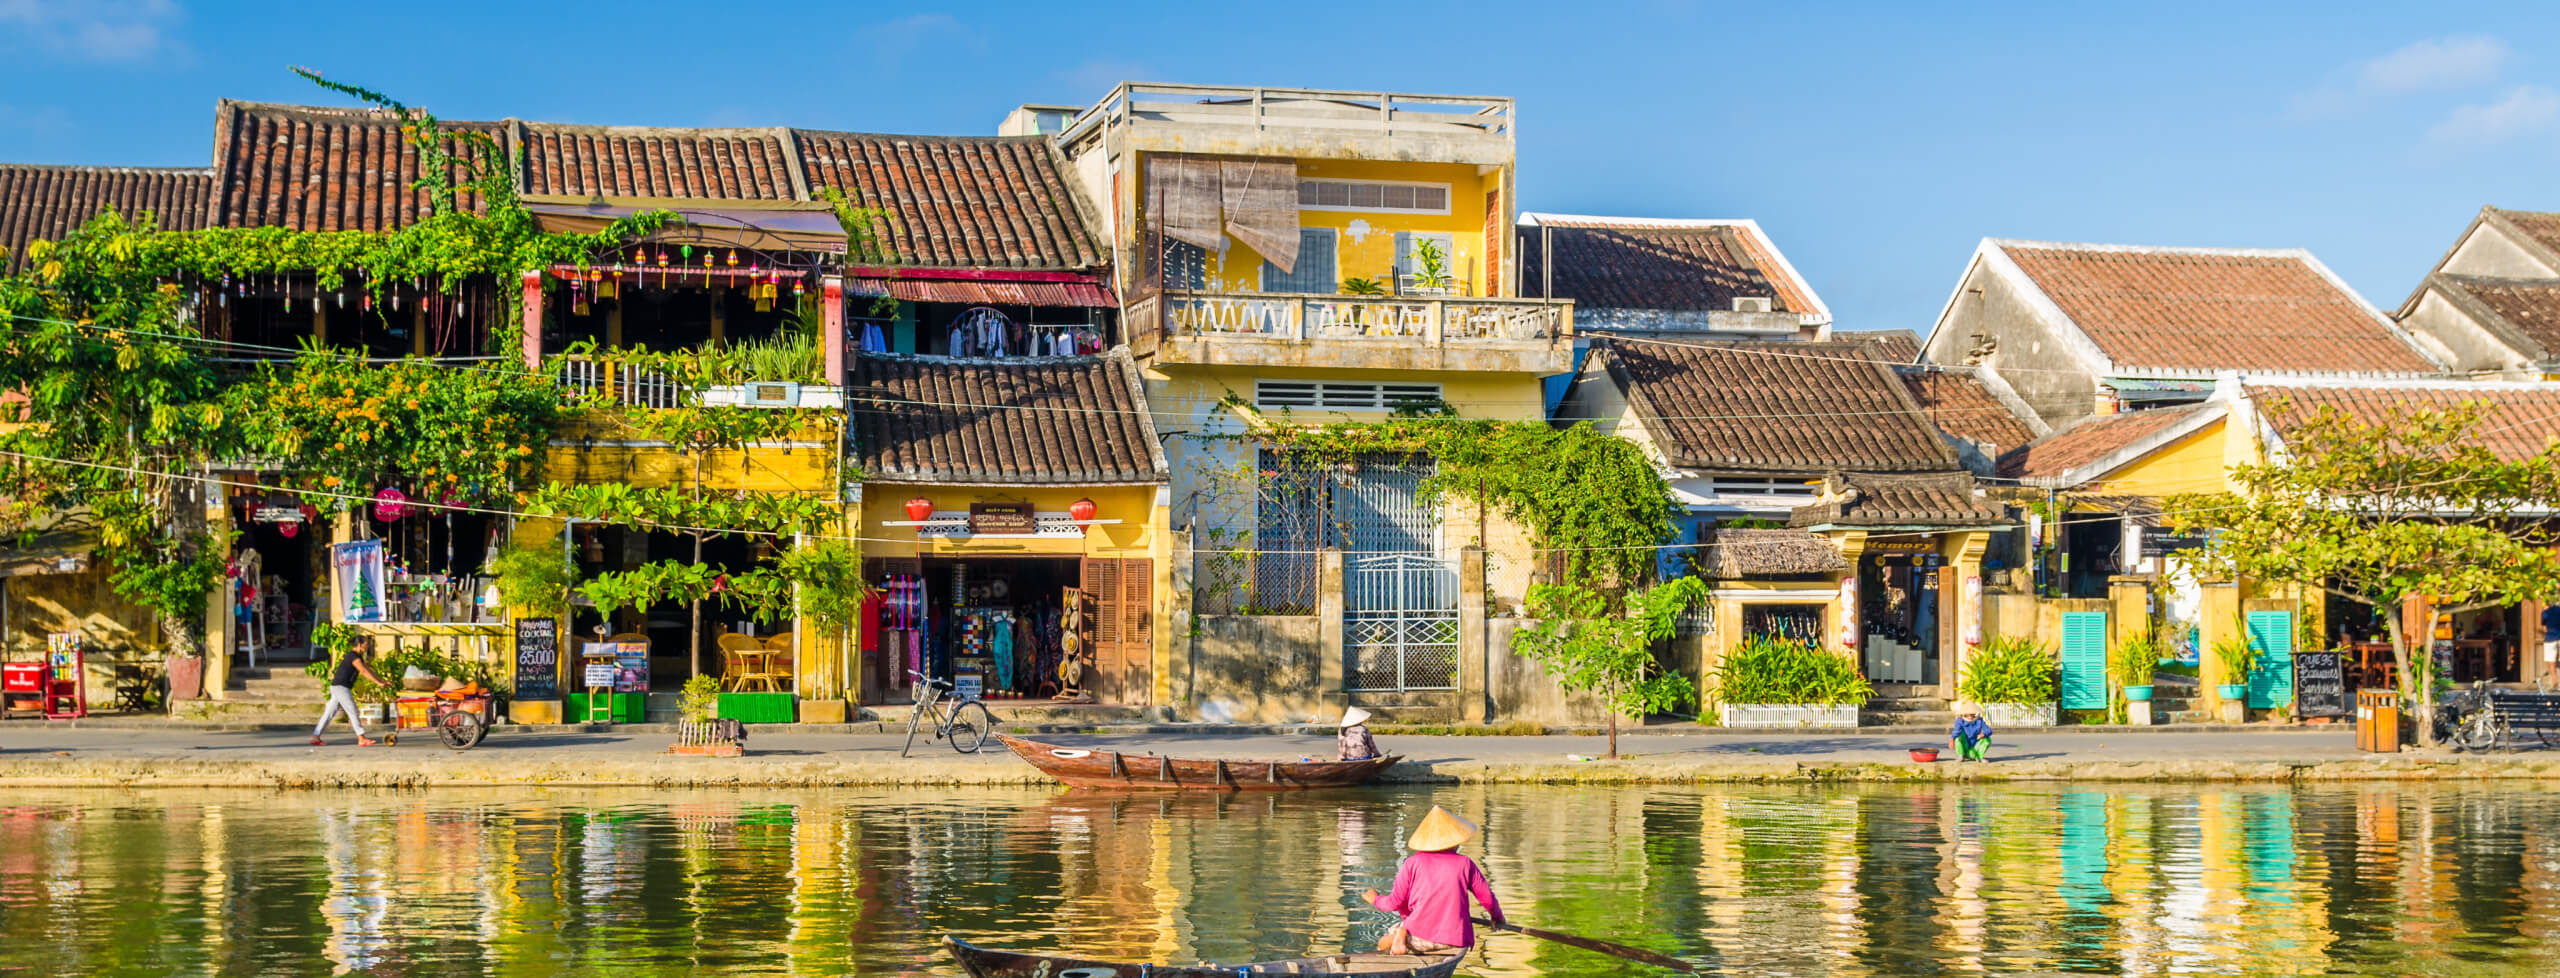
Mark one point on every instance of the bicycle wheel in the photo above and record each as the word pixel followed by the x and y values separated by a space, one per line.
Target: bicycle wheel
pixel 460 730
pixel 971 722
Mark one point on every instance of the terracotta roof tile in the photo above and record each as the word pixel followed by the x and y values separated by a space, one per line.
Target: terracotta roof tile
pixel 1775 407
pixel 2515 422
pixel 47 202
pixel 2530 306
pixel 314 168
pixel 1958 403
pixel 1664 265
pixel 2090 439
pixel 2542 226
pixel 2214 310
pixel 1044 421
pixel 1937 499
pixel 977 202
pixel 1888 345
pixel 615 161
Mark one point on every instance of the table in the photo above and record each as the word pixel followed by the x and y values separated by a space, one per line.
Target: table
pixel 2374 661
pixel 754 666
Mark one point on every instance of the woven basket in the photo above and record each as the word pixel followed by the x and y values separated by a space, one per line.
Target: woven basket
pixel 417 684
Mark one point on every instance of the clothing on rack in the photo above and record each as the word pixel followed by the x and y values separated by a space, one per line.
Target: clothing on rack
pixel 873 340
pixel 982 331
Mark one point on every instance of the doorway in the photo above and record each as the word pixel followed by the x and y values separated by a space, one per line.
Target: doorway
pixel 1900 596
pixel 1000 624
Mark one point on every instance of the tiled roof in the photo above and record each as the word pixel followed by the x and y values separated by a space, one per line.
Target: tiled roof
pixel 2090 439
pixel 2542 226
pixel 1938 499
pixel 985 202
pixel 1043 421
pixel 1889 345
pixel 951 201
pixel 1732 554
pixel 1961 406
pixel 1775 407
pixel 2529 306
pixel 1634 263
pixel 2198 309
pixel 2516 421
pixel 46 202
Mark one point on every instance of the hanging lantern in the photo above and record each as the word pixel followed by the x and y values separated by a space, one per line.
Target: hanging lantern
pixel 733 257
pixel 390 505
pixel 1081 510
pixel 310 513
pixel 919 509
pixel 289 530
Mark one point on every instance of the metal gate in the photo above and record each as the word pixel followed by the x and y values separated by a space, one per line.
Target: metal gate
pixel 1400 622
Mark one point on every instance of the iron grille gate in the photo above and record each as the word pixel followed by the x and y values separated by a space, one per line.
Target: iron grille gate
pixel 1400 622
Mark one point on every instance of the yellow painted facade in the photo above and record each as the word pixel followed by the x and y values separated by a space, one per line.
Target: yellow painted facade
pixel 2199 462
pixel 1365 240
pixel 1139 534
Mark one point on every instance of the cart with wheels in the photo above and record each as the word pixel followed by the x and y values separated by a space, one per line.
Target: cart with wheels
pixel 461 720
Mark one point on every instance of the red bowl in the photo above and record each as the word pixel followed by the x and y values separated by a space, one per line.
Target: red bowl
pixel 1925 755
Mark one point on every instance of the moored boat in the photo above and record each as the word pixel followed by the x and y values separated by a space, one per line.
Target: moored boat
pixel 1096 767
pixel 984 962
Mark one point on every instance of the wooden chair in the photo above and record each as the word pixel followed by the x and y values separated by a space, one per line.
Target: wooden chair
pixel 736 655
pixel 776 674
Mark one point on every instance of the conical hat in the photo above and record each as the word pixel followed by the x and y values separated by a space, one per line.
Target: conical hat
pixel 1441 832
pixel 1354 717
pixel 450 684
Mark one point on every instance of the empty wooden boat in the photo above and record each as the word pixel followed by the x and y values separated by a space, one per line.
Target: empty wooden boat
pixel 982 962
pixel 1096 767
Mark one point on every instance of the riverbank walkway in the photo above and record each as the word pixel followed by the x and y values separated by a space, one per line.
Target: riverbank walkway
pixel 34 754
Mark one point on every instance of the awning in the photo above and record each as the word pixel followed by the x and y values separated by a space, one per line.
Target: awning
pixel 765 225
pixel 980 292
pixel 59 551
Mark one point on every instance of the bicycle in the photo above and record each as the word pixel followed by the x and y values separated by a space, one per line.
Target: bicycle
pixel 967 722
pixel 2468 720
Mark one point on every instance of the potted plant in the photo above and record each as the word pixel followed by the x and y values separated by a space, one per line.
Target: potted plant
pixel 2014 681
pixel 697 731
pixel 1430 268
pixel 1363 286
pixel 1779 682
pixel 2136 655
pixel 2238 654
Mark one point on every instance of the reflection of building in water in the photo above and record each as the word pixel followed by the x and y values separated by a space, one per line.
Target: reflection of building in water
pixel 358 906
pixel 1964 914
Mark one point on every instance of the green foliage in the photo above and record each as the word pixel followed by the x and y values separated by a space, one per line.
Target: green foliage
pixel 536 578
pixel 2135 656
pixel 340 424
pixel 1430 265
pixel 829 573
pixel 701 699
pixel 2238 652
pixel 2009 669
pixel 789 354
pixel 1363 286
pixel 623 504
pixel 156 578
pixel 1591 643
pixel 394 664
pixel 650 585
pixel 1780 671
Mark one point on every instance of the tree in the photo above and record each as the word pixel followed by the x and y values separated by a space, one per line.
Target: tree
pixel 2411 504
pixel 1591 642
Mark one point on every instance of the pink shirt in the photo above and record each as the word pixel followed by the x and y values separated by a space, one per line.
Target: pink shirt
pixel 1431 895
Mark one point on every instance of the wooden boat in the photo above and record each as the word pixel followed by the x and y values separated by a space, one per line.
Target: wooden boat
pixel 1098 768
pixel 982 962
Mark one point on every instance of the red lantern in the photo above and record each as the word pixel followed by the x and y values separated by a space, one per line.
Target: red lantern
pixel 1082 510
pixel 919 509
pixel 390 505
pixel 290 530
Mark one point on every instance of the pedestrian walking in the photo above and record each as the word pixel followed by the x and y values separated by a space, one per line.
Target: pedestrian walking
pixel 358 661
pixel 1432 888
pixel 1971 737
pixel 1354 742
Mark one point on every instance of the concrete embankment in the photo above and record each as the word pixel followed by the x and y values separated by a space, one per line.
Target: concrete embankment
pixel 195 759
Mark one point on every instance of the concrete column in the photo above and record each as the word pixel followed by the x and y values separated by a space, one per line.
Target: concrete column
pixel 1330 678
pixel 533 320
pixel 1472 640
pixel 1845 608
pixel 831 294
pixel 2129 611
pixel 1180 659
pixel 220 631
pixel 2220 619
pixel 1960 628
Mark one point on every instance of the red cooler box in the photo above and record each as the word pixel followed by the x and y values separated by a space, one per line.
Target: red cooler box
pixel 22 688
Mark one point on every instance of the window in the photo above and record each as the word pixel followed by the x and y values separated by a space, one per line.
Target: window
pixel 1409 262
pixel 1373 195
pixel 1328 395
pixel 1186 265
pixel 1315 271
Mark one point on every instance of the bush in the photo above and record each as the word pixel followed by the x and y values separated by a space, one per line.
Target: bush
pixel 2009 670
pixel 2136 655
pixel 1785 671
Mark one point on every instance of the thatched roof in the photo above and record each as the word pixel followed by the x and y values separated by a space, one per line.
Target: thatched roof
pixel 1737 554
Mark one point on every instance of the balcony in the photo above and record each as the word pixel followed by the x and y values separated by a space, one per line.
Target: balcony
pixel 1313 123
pixel 606 380
pixel 1272 329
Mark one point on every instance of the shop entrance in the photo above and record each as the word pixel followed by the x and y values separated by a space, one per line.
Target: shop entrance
pixel 1900 595
pixel 675 645
pixel 274 593
pixel 1003 625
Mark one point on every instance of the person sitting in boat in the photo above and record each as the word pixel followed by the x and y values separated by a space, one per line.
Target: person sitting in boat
pixel 1432 888
pixel 1354 740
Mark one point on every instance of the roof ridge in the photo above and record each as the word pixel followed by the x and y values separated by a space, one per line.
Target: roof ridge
pixel 2104 248
pixel 110 168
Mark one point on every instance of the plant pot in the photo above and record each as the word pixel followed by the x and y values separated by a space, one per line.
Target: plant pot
pixel 2232 691
pixel 1925 755
pixel 186 677
pixel 2137 694
pixel 1788 715
pixel 2001 715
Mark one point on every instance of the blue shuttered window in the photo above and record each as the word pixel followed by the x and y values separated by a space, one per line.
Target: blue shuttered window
pixel 2084 660
pixel 1316 270
pixel 2271 683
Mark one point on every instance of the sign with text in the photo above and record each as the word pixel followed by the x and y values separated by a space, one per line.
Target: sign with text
pixel 537 659
pixel 2320 685
pixel 1902 546
pixel 633 658
pixel 955 525
pixel 2159 540
pixel 1002 519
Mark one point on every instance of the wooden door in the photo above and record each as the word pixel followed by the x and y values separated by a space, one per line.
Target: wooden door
pixel 1119 592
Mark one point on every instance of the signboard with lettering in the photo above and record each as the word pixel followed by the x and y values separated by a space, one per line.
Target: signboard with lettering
pixel 2159 540
pixel 1002 519
pixel 956 525
pixel 1902 546
pixel 2320 685
pixel 276 514
pixel 537 659
pixel 633 658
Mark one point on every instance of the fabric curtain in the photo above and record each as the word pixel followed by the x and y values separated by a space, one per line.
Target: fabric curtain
pixel 1261 198
pixel 1185 192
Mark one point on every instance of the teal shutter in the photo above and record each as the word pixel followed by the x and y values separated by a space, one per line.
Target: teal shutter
pixel 2084 660
pixel 2271 683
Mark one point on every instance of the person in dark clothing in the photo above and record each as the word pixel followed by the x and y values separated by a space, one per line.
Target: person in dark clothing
pixel 2550 635
pixel 342 691
pixel 1971 737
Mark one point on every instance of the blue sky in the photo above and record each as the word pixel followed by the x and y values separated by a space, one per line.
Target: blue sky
pixel 1877 144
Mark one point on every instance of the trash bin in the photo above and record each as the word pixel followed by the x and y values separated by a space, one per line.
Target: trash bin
pixel 2378 720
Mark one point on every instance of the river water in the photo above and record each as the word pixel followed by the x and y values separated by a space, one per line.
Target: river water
pixel 1960 880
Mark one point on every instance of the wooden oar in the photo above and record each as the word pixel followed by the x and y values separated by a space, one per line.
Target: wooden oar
pixel 1654 958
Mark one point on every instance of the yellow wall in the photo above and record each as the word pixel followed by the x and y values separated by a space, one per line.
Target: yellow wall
pixel 1136 536
pixel 42 604
pixel 1365 244
pixel 800 467
pixel 2194 463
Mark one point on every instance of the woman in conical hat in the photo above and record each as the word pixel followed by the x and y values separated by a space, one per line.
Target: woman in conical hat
pixel 1431 890
pixel 1353 742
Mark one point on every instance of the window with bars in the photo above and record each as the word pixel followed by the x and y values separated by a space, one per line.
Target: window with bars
pixel 1273 395
pixel 1315 271
pixel 1373 195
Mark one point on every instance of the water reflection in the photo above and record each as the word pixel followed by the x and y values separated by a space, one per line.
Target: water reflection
pixel 1761 881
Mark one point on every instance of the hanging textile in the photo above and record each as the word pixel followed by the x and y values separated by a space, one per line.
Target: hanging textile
pixel 1185 192
pixel 1261 201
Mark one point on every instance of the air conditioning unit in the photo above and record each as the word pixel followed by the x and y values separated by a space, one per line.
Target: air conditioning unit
pixel 771 394
pixel 1751 303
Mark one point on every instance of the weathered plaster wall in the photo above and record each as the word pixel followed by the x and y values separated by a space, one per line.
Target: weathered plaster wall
pixel 1258 669
pixel 2031 357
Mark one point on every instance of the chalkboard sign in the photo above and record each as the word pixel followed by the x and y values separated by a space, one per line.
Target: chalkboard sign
pixel 537 659
pixel 2320 685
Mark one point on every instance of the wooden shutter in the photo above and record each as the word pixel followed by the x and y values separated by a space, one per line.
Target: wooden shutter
pixel 1102 621
pixel 1494 279
pixel 2084 660
pixel 1137 613
pixel 2271 683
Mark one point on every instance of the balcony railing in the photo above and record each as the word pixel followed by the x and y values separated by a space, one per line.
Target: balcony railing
pixel 618 383
pixel 1259 109
pixel 1283 316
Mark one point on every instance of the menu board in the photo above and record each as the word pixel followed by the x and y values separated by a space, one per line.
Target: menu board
pixel 537 659
pixel 2320 685
pixel 633 658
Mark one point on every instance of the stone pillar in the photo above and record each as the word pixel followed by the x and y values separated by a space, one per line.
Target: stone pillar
pixel 1331 684
pixel 1181 657
pixel 1472 640
pixel 1960 628
pixel 1845 609
pixel 2220 619
pixel 2129 611
pixel 221 632
pixel 533 321
pixel 831 296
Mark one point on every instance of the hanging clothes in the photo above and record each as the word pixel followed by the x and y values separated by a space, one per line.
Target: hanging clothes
pixel 873 340
pixel 999 629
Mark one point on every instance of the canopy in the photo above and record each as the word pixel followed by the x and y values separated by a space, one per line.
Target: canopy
pixel 764 225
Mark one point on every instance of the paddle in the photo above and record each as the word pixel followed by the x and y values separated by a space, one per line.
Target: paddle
pixel 1654 958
